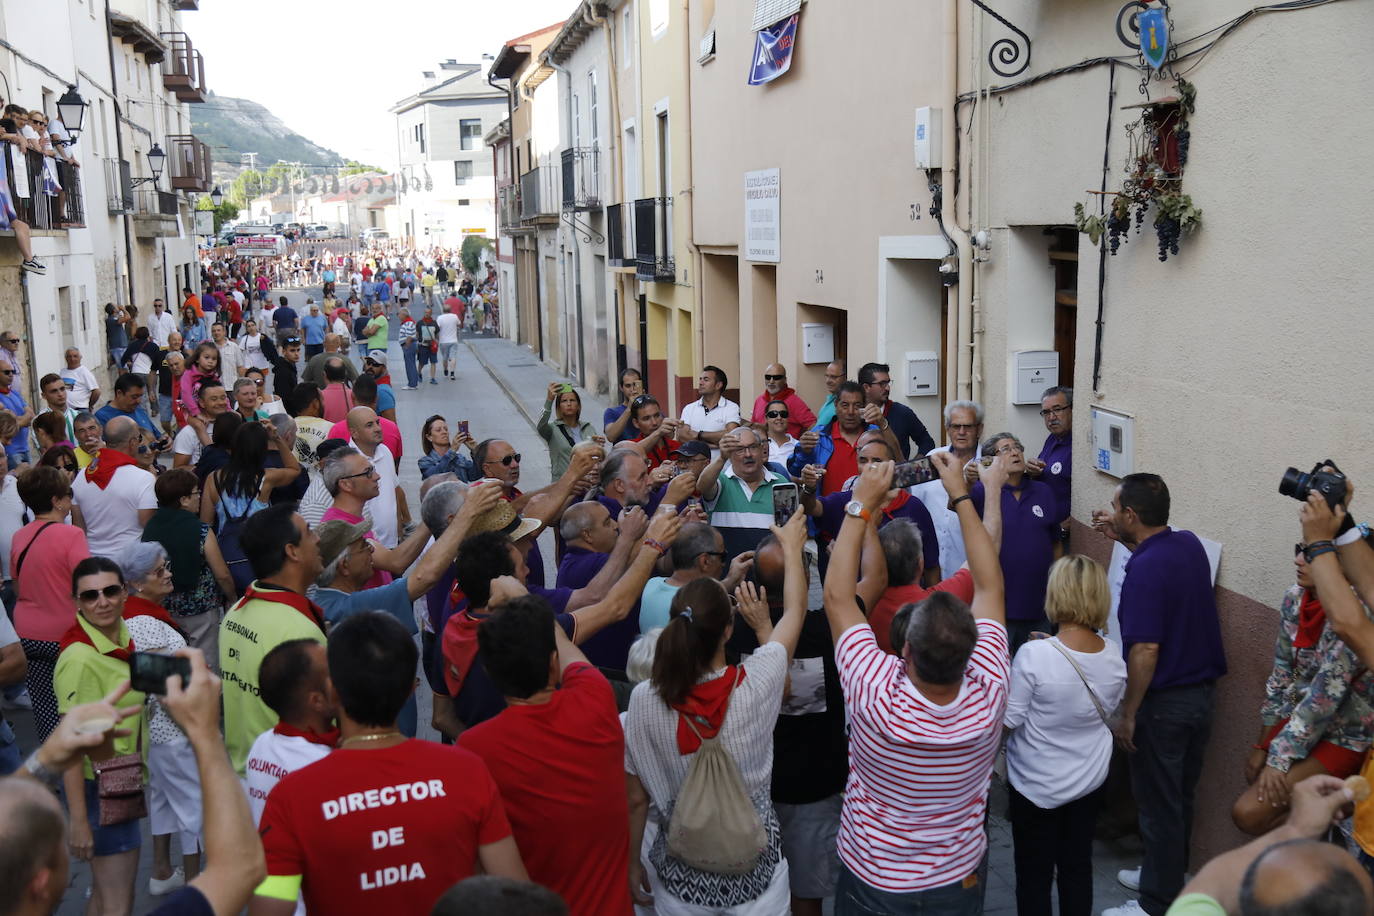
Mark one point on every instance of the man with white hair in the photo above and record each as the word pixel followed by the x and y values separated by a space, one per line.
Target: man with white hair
pixel 964 425
pixel 112 499
pixel 737 488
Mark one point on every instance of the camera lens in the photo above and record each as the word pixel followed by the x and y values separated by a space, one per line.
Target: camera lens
pixel 1295 484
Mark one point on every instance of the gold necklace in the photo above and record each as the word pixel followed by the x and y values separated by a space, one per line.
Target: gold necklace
pixel 377 737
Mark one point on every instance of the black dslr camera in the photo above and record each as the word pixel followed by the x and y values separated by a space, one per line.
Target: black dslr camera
pixel 1330 484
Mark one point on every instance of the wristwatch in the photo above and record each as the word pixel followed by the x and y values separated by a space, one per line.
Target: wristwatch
pixel 857 510
pixel 38 771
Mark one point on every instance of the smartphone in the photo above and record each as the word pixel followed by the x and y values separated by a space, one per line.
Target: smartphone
pixel 565 389
pixel 463 428
pixel 910 473
pixel 148 671
pixel 784 502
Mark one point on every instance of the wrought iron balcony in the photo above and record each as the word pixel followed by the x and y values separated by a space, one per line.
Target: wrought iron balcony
pixel 183 71
pixel 620 236
pixel 188 162
pixel 508 208
pixel 539 195
pixel 119 187
pixel 581 178
pixel 38 200
pixel 653 226
pixel 155 214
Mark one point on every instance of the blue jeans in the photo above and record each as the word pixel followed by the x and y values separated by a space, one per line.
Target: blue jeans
pixel 1171 732
pixel 412 372
pixel 14 459
pixel 961 898
pixel 362 349
pixel 9 751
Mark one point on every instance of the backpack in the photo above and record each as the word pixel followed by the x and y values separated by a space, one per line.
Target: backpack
pixel 714 827
pixel 231 547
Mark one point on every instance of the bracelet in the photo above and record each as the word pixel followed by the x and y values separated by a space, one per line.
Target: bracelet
pixel 656 545
pixel 1311 554
pixel 957 500
pixel 40 772
pixel 1355 533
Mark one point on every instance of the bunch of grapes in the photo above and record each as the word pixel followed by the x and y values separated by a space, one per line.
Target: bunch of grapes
pixel 1118 224
pixel 1183 136
pixel 1167 229
pixel 1140 216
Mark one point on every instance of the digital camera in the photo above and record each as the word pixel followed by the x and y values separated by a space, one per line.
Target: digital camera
pixel 1330 484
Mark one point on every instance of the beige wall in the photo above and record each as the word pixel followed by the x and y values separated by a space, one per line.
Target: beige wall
pixel 840 131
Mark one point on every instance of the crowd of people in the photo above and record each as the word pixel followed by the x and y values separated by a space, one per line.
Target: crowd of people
pixel 656 719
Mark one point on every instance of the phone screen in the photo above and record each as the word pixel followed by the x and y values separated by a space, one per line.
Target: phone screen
pixel 784 502
pixel 911 473
pixel 463 428
pixel 148 671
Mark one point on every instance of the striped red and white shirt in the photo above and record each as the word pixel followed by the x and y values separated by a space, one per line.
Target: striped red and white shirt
pixel 917 792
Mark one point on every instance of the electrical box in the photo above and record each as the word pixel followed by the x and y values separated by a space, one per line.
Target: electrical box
pixel 929 146
pixel 818 343
pixel 922 373
pixel 1033 372
pixel 1113 442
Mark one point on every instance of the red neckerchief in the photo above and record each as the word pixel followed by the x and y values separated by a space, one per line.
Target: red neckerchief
pixel 265 591
pixel 77 634
pixel 136 606
pixel 459 649
pixel 706 704
pixel 1311 621
pixel 661 452
pixel 102 468
pixel 384 379
pixel 897 502
pixel 328 738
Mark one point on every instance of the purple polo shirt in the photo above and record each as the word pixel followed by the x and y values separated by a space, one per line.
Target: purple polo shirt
pixel 609 648
pixel 1057 453
pixel 1029 533
pixel 832 517
pixel 1167 598
pixel 615 507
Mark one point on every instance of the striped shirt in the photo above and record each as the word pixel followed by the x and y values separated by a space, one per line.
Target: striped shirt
pixel 406 331
pixel 740 511
pixel 918 773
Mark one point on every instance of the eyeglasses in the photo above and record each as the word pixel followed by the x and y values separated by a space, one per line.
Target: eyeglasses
pixel 1008 449
pixel 92 595
pixel 718 554
pixel 1055 410
pixel 70 469
pixel 10 340
pixel 963 427
pixel 159 570
pixel 753 447
pixel 370 472
pixel 6 372
pixel 1299 548
pixel 774 378
pixel 774 414
pixel 512 458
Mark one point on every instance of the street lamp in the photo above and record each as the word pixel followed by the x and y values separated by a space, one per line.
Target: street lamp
pixel 216 197
pixel 156 159
pixel 71 108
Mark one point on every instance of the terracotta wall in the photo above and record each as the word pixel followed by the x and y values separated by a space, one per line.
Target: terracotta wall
pixel 1248 629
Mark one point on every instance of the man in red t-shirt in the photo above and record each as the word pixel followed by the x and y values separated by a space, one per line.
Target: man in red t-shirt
pixel 557 754
pixel 903 550
pixel 655 433
pixel 384 824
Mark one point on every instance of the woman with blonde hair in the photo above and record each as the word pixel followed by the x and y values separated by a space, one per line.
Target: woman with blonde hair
pixel 1062 691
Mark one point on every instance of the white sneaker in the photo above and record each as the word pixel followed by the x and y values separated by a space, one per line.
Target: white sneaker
pixel 1129 878
pixel 1129 908
pixel 160 886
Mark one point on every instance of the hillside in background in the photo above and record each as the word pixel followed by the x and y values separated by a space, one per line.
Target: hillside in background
pixel 234 126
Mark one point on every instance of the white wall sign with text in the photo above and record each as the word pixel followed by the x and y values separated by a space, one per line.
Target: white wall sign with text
pixel 762 219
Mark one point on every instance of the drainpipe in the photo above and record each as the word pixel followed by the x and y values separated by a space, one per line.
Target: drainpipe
pixel 959 348
pixel 577 247
pixel 699 291
pixel 119 146
pixel 617 183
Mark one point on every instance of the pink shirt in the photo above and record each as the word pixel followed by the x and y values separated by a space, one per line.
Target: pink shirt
pixel 337 399
pixel 391 434
pixel 379 577
pixel 45 609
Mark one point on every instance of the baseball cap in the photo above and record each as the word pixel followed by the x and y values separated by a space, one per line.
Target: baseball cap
pixel 336 536
pixel 377 356
pixel 693 449
pixel 502 517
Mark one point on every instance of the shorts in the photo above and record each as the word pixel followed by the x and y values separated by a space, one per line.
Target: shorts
pixel 174 804
pixel 450 351
pixel 809 844
pixel 425 356
pixel 116 838
pixel 1339 761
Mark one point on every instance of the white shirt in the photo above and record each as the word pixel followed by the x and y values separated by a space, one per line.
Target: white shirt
pixel 11 519
pixel 152 635
pixel 1059 748
pixel 705 419
pixel 448 327
pixel 159 326
pixel 80 383
pixel 951 536
pixel 230 360
pixel 111 514
pixel 251 347
pixel 382 507
pixel 187 443
pixel 778 454
pixel 271 757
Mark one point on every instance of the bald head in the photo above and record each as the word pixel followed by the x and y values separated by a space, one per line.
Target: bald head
pixel 775 378
pixel 121 434
pixel 32 857
pixel 1301 877
pixel 364 427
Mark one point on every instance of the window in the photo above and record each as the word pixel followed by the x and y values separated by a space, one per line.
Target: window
pixel 464 202
pixel 627 34
pixel 591 108
pixel 470 133
pixel 462 171
pixel 576 120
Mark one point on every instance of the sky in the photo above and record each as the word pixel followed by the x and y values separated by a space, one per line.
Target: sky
pixel 332 69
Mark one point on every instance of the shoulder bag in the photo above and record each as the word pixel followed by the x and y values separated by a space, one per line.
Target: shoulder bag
pixel 1092 694
pixel 119 785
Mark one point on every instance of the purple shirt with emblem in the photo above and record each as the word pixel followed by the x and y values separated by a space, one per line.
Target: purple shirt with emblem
pixel 1167 598
pixel 1029 532
pixel 832 516
pixel 1057 453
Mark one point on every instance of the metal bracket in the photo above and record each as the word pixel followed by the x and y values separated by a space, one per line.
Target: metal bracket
pixel 583 229
pixel 1006 52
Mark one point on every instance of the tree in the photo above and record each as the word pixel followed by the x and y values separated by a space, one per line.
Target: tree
pixel 471 252
pixel 248 185
pixel 354 167
pixel 224 213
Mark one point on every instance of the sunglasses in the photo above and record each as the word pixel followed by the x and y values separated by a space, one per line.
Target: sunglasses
pixel 642 400
pixel 773 378
pixel 513 458
pixel 92 595
pixel 70 469
pixel 774 414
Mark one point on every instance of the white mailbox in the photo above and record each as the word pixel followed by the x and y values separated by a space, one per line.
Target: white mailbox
pixel 1033 372
pixel 818 343
pixel 922 373
pixel 1113 442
